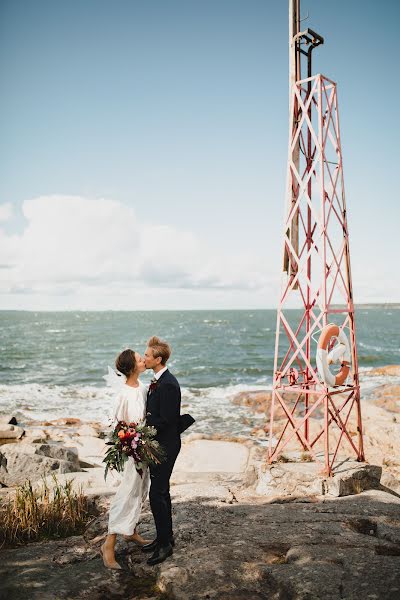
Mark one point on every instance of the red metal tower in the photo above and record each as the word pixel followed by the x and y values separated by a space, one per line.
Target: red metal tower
pixel 319 411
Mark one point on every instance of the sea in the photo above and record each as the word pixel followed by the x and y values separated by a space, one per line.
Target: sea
pixel 52 363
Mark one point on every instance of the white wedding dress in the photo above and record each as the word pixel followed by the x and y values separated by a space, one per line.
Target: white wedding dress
pixel 126 506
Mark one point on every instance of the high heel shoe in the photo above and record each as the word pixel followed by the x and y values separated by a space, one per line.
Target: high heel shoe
pixel 115 566
pixel 136 538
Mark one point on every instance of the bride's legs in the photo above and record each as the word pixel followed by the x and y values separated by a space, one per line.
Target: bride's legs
pixel 108 552
pixel 137 538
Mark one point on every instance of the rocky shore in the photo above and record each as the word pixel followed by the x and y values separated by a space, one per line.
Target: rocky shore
pixel 232 541
pixel 381 422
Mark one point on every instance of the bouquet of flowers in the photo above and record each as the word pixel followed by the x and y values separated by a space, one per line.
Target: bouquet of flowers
pixel 134 440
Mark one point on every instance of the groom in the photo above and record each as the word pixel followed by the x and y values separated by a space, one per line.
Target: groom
pixel 163 413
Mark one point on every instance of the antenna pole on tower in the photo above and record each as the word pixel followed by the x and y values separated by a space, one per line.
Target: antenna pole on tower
pixel 294 75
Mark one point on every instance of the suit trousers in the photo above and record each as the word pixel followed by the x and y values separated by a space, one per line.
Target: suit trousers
pixel 160 499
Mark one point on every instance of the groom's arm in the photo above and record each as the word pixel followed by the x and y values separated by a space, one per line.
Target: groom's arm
pixel 170 399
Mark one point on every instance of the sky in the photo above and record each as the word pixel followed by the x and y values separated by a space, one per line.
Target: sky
pixel 143 149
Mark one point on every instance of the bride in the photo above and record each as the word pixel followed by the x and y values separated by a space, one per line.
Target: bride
pixel 130 406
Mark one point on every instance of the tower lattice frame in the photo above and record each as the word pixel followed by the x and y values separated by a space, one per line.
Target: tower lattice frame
pixel 318 274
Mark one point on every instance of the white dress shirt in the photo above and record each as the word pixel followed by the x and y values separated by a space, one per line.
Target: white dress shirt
pixel 158 375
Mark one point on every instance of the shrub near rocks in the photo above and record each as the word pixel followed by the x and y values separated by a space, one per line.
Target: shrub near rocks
pixel 36 514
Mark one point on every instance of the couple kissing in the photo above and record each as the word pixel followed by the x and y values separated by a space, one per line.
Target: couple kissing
pixel 160 406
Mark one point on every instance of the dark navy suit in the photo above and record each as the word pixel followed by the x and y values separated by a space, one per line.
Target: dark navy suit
pixel 163 413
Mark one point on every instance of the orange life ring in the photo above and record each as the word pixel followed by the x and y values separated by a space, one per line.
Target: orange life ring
pixel 323 358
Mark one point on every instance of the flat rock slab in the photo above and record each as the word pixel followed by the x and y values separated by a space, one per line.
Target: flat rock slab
pixel 90 481
pixel 297 478
pixel 91 449
pixel 11 432
pixel 258 549
pixel 207 462
pixel 209 456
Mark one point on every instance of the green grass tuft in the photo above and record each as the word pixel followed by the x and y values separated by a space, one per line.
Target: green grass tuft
pixel 43 514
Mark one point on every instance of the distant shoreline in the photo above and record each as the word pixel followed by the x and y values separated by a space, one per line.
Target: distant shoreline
pixel 384 305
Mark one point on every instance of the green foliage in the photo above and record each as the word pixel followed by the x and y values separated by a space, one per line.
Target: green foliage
pixel 114 459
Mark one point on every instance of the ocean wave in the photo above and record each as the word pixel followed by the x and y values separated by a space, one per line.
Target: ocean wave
pixel 369 347
pixel 13 367
pixel 46 402
pixel 212 407
pixel 214 321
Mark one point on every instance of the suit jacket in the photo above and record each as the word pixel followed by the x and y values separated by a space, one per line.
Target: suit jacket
pixel 163 410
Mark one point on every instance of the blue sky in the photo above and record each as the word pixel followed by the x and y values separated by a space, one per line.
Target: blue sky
pixel 164 124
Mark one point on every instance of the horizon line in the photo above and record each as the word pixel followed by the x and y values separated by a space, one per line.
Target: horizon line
pixel 395 305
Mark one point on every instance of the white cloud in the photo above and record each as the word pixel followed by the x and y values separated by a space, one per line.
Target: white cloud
pixel 88 250
pixel 6 212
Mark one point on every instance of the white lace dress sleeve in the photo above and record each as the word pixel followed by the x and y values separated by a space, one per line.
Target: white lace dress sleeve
pixel 119 411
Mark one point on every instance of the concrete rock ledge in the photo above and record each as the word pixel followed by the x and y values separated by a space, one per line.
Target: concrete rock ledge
pixel 231 543
pixel 353 478
pixel 302 479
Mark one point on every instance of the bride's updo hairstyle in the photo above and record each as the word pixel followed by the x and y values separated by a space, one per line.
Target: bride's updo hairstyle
pixel 125 362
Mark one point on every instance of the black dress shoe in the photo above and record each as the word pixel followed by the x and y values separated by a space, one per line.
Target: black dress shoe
pixel 153 545
pixel 160 554
pixel 150 547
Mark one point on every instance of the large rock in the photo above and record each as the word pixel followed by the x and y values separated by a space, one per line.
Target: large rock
pixel 87 430
pixel 258 401
pixel 20 462
pixel 63 421
pixel 10 432
pixel 91 449
pixel 3 466
pixel 391 370
pixel 303 479
pixel 288 479
pixel 35 435
pixel 58 452
pixel 209 456
pixel 388 397
pixel 205 459
pixel 353 479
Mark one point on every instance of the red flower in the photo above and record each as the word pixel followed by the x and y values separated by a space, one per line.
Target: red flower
pixel 153 385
